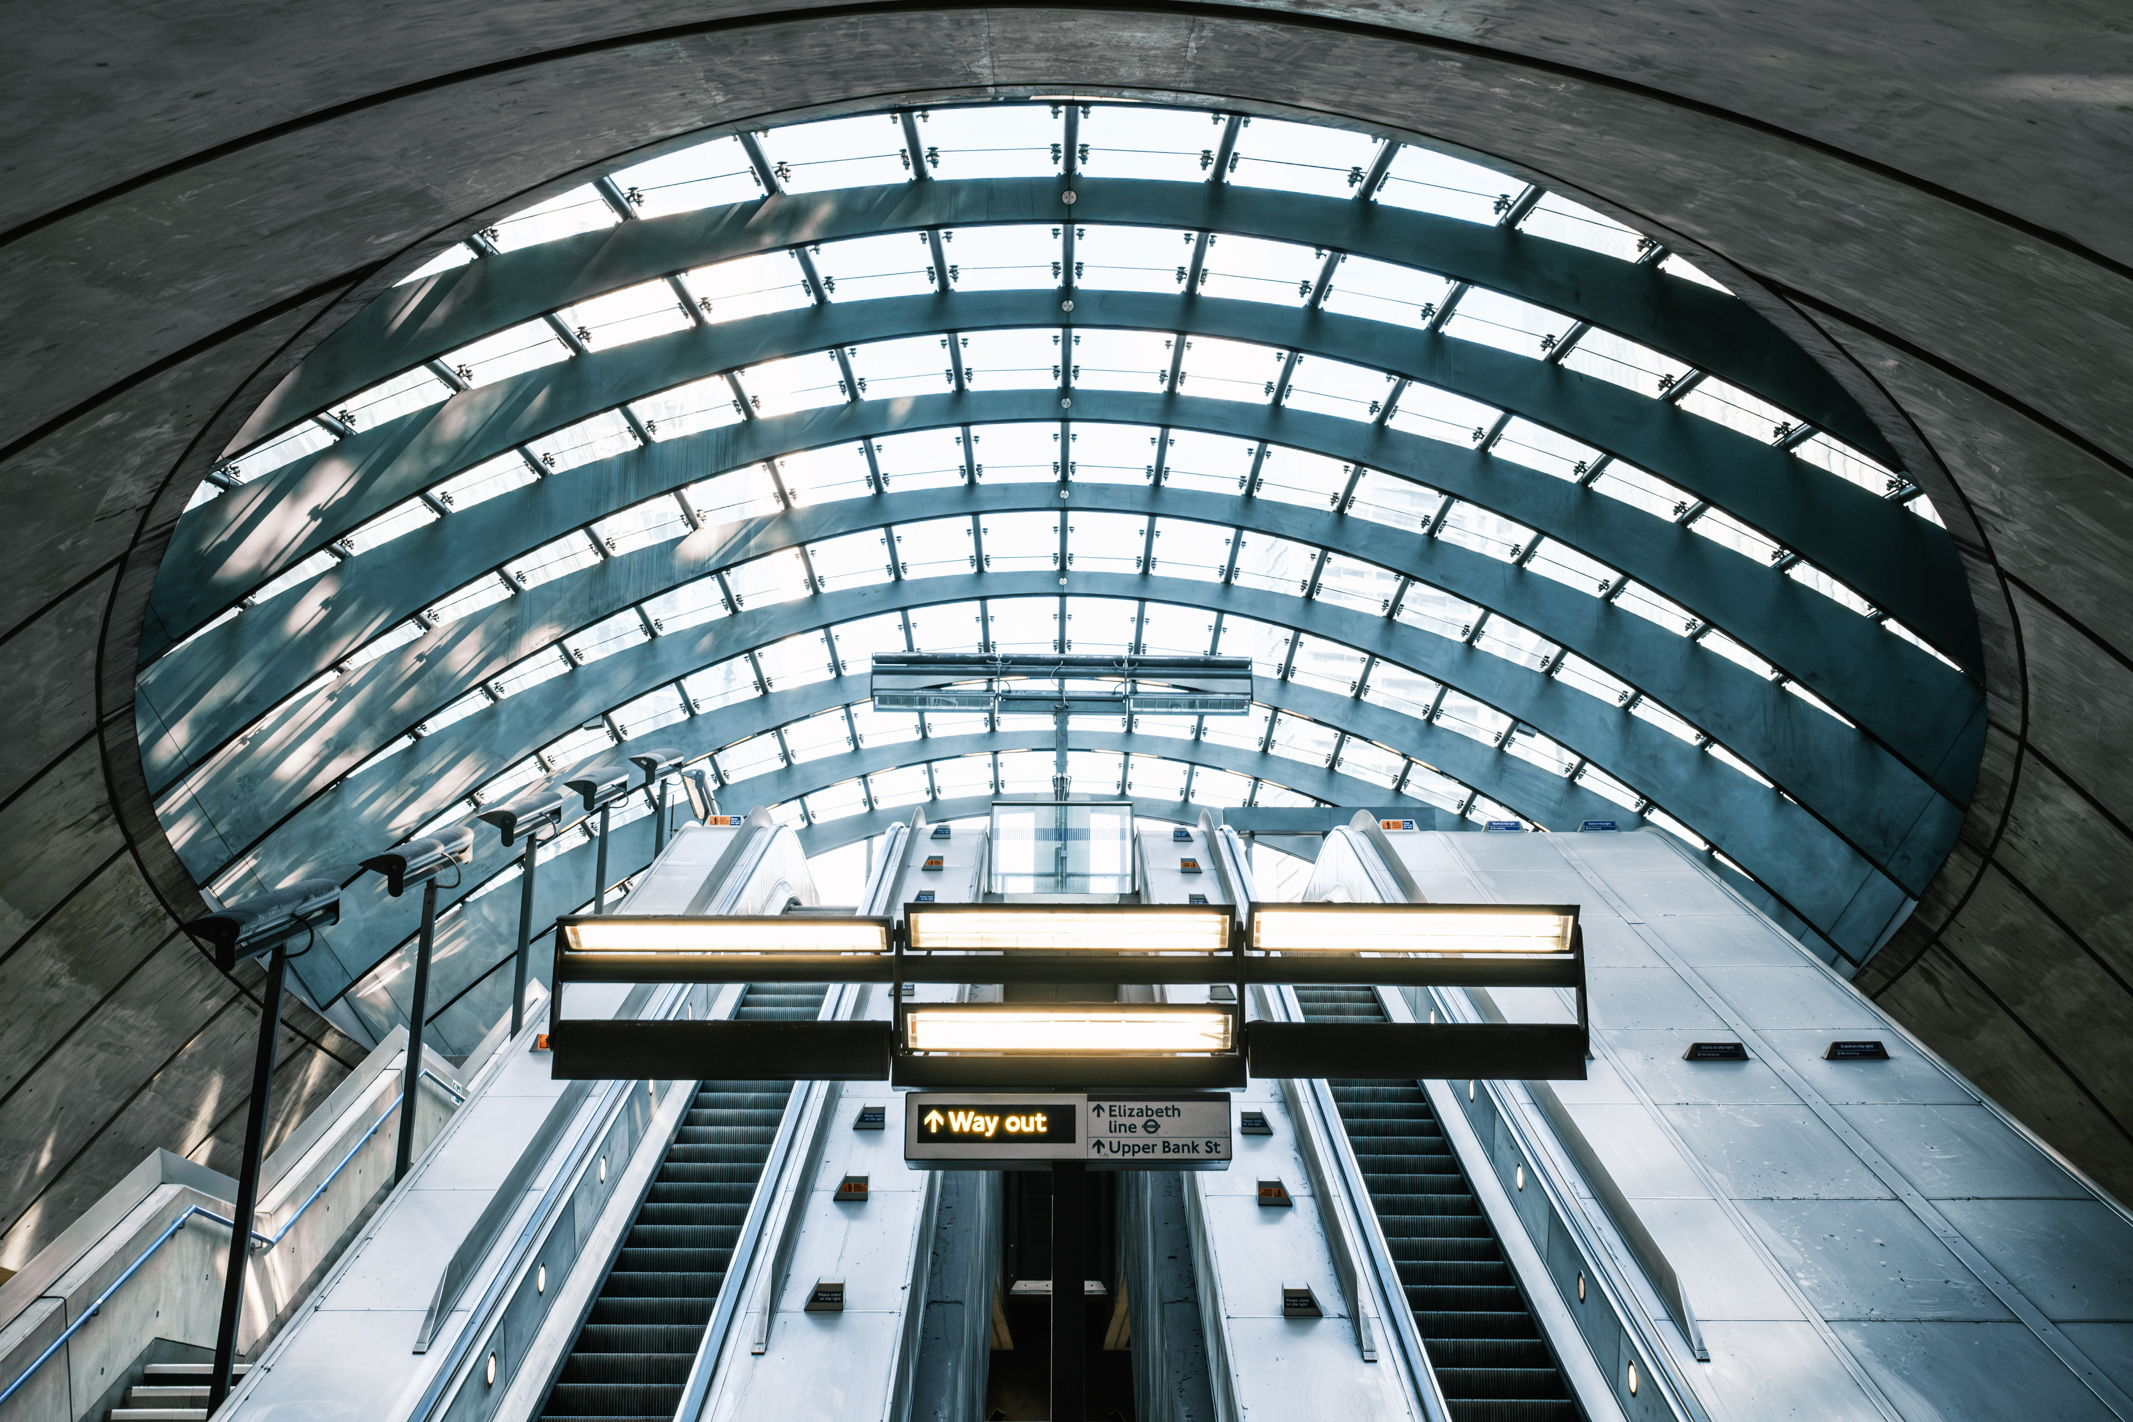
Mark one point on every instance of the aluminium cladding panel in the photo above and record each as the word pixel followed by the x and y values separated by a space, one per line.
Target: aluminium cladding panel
pixel 957 879
pixel 1244 1253
pixel 350 1352
pixel 850 1363
pixel 1842 1227
pixel 679 872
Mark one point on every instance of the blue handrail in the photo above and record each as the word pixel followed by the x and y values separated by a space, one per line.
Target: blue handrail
pixel 259 1241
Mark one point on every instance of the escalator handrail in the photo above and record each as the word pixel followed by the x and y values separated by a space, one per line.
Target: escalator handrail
pixel 1355 1216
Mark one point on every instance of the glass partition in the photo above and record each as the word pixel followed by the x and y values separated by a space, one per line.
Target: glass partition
pixel 1062 847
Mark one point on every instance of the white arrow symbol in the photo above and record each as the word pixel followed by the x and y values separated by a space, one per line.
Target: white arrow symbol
pixel 933 1120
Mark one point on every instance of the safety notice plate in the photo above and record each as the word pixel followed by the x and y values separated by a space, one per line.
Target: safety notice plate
pixel 1110 1130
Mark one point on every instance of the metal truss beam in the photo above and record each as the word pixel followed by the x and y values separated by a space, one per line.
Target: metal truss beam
pixel 226 548
pixel 1709 329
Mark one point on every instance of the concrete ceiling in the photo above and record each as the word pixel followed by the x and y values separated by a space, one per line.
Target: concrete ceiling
pixel 1929 198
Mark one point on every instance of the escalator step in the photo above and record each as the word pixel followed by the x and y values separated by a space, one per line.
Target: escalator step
pixel 631 1359
pixel 1489 1356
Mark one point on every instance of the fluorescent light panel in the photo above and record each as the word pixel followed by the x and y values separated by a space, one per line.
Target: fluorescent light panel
pixel 1097 1029
pixel 1403 929
pixel 1068 929
pixel 618 934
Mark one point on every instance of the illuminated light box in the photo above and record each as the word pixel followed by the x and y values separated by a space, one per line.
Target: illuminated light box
pixel 1067 928
pixel 1068 1029
pixel 619 934
pixel 1406 929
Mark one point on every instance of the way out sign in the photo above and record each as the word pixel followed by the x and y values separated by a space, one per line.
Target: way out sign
pixel 1109 1130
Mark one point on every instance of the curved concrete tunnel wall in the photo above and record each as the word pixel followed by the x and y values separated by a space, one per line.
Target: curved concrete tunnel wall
pixel 1927 199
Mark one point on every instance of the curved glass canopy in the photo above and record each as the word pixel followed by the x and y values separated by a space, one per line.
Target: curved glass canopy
pixel 1518 514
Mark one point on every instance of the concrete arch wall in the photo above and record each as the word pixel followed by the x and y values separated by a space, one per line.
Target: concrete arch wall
pixel 197 201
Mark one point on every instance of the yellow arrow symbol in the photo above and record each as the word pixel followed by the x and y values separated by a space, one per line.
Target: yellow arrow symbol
pixel 933 1120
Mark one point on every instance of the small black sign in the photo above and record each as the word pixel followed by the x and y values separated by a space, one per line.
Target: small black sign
pixel 1181 835
pixel 870 1118
pixel 1715 1052
pixel 1253 1123
pixel 1188 866
pixel 1856 1052
pixel 989 1123
pixel 1593 826
pixel 940 832
pixel 925 896
pixel 1274 1195
pixel 827 1296
pixel 933 862
pixel 1199 899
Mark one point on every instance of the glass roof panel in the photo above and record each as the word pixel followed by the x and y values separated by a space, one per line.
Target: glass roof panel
pixel 1246 732
pixel 285 448
pixel 994 141
pixel 869 268
pixel 603 436
pixel 1538 447
pixel 450 259
pixel 655 710
pixel 706 175
pixel 1366 760
pixel 1472 719
pixel 838 153
pixel 817 736
pixel 752 756
pixel 1736 409
pixel 922 459
pixel 1172 630
pixel 1143 141
pixel 1332 387
pixel 1829 587
pixel 1396 688
pixel 934 547
pixel 1434 610
pixel 1648 710
pixel 1659 611
pixel 1100 626
pixel 1026 359
pixel 1399 503
pixel 749 286
pixel 1438 414
pixel 1451 187
pixel 1017 454
pixel 1020 542
pixel 1191 550
pixel 1566 565
pixel 1113 454
pixel 768 580
pixel 1105 542
pixel 704 404
pixel 564 215
pixel 1719 527
pixel 1847 463
pixel 1621 361
pixel 1121 360
pixel 1558 219
pixel 884 728
pixel 914 365
pixel 574 749
pixel 824 475
pixel 302 572
pixel 1210 463
pixel 603 639
pixel 1328 666
pixel 1351 582
pixel 486 481
pixel 721 684
pixel 945 627
pixel 653 521
pixel 747 492
pixel 857 641
pixel 553 560
pixel 632 314
pixel 1025 773
pixel 1219 789
pixel 1266 645
pixel 1254 269
pixel 1003 258
pixel 1493 319
pixel 961 776
pixel 853 560
pixel 1680 266
pixel 1586 677
pixel 836 802
pixel 1216 369
pixel 1381 291
pixel 1132 258
pixel 394 638
pixel 803 382
pixel 1641 490
pixel 896 789
pixel 799 660
pixel 1096 772
pixel 412 390
pixel 1274 564
pixel 521 348
pixel 1296 476
pixel 1471 526
pixel 1515 644
pixel 484 591
pixel 1302 739
pixel 1301 158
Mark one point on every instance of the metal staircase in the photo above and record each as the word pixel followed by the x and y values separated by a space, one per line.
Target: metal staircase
pixel 1483 1344
pixel 631 1359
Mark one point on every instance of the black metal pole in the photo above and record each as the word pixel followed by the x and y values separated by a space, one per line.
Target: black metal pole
pixel 411 1074
pixel 1070 1310
pixel 659 826
pixel 525 935
pixel 255 1130
pixel 600 867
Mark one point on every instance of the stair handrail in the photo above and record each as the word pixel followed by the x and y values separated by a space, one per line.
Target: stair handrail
pixel 258 1241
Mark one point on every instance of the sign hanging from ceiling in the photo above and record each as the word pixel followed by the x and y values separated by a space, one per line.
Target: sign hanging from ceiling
pixel 1107 1130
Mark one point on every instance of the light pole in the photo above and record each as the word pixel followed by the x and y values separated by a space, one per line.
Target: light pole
pixel 528 816
pixel 419 861
pixel 601 789
pixel 264 924
pixel 657 764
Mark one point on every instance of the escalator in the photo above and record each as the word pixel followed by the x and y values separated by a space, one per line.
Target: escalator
pixel 631 1359
pixel 1483 1343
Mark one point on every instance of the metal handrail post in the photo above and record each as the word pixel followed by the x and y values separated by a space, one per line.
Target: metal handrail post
pixel 600 867
pixel 255 1130
pixel 525 934
pixel 411 1074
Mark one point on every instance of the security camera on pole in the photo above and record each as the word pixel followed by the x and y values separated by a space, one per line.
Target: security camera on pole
pixel 600 789
pixel 419 861
pixel 264 924
pixel 528 816
pixel 657 764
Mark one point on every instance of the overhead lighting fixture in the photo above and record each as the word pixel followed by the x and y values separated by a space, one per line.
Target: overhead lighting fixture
pixel 1067 928
pixel 1406 929
pixel 618 934
pixel 1095 1029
